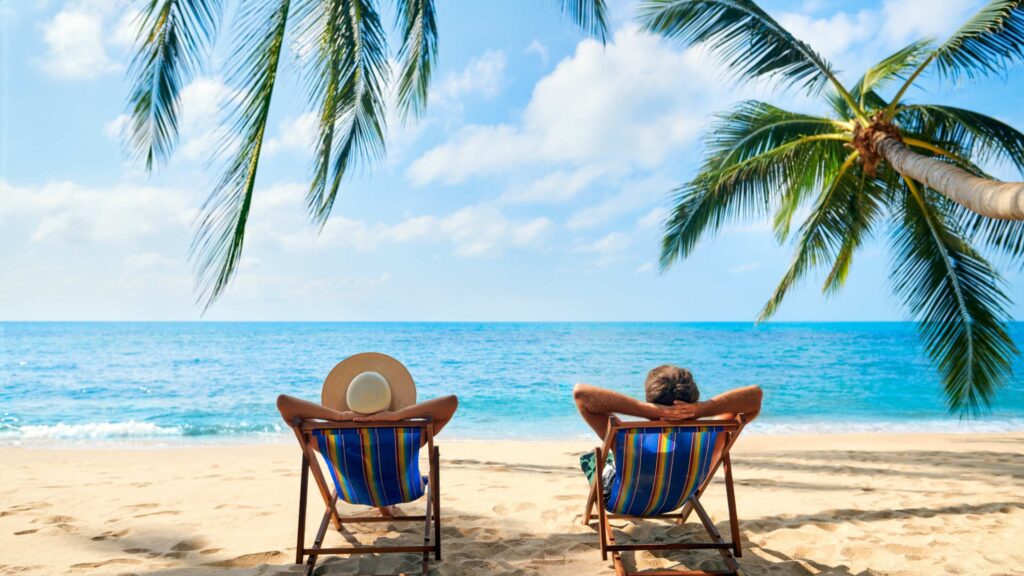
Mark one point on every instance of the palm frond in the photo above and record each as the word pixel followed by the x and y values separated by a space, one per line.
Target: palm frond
pixel 979 138
pixel 217 247
pixel 869 100
pixel 418 24
pixel 842 216
pixel 755 156
pixel 590 15
pixel 352 68
pixel 989 43
pixel 863 212
pixel 751 43
pixel 1004 237
pixel 173 38
pixel 957 299
pixel 893 67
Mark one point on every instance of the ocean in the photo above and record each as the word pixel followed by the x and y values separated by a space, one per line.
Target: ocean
pixel 167 383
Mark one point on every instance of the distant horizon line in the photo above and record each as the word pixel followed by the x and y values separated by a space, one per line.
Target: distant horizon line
pixel 743 322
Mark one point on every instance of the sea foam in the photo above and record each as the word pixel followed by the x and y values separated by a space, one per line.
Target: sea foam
pixel 94 431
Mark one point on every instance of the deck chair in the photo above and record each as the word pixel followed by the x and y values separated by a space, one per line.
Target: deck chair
pixel 372 464
pixel 662 469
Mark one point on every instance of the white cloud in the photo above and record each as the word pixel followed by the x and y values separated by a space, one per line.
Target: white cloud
pixel 644 268
pixel 653 219
pixel 632 196
pixel 608 248
pixel 558 186
pixel 75 43
pixel 126 29
pixel 475 150
pixel 477 230
pixel 115 128
pixel 744 268
pixel 295 134
pixel 348 288
pixel 482 76
pixel 63 212
pixel 907 20
pixel 202 102
pixel 149 261
pixel 537 47
pixel 832 36
pixel 629 104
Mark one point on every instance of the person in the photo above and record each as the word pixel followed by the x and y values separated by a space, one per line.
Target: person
pixel 370 387
pixel 671 394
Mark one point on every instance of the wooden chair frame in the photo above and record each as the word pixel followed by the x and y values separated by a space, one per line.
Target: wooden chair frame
pixel 431 518
pixel 729 550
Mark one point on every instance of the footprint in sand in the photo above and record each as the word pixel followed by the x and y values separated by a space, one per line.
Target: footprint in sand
pixel 161 513
pixel 110 562
pixel 190 545
pixel 15 510
pixel 175 555
pixel 58 520
pixel 209 551
pixel 108 535
pixel 142 506
pixel 24 532
pixel 251 560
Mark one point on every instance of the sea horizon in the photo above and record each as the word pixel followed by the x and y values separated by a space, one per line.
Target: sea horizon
pixel 168 383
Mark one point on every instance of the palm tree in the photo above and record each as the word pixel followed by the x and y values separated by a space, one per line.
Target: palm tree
pixel 348 76
pixel 871 161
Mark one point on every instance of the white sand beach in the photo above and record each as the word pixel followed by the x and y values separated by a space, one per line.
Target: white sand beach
pixel 837 504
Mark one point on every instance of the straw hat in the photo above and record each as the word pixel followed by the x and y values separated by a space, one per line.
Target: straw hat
pixel 368 383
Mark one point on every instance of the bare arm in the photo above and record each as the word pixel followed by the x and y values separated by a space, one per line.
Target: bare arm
pixel 440 410
pixel 596 405
pixel 291 408
pixel 727 405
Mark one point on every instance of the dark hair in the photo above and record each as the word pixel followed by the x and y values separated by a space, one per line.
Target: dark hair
pixel 666 384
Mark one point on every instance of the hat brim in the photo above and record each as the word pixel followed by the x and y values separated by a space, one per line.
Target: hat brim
pixel 403 389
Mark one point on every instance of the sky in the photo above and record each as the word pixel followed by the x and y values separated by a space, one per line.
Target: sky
pixel 533 188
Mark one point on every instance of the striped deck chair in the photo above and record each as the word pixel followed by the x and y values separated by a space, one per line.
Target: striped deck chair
pixel 662 469
pixel 372 464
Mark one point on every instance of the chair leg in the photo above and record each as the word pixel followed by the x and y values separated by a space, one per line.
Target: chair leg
pixel 604 530
pixel 426 527
pixel 317 543
pixel 303 486
pixel 436 469
pixel 730 495
pixel 716 537
pixel 589 510
pixel 620 568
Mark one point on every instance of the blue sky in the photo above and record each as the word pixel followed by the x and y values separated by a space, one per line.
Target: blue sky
pixel 531 190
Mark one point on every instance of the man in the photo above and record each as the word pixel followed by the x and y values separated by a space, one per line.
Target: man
pixel 671 394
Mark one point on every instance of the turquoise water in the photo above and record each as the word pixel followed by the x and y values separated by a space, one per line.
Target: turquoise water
pixel 178 381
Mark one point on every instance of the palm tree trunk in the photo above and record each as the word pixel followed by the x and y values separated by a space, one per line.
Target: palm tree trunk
pixel 1000 200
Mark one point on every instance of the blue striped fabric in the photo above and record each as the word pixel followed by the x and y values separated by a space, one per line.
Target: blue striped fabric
pixel 373 466
pixel 657 469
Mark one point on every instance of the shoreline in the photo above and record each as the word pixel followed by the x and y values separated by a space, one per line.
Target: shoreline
pixel 171 442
